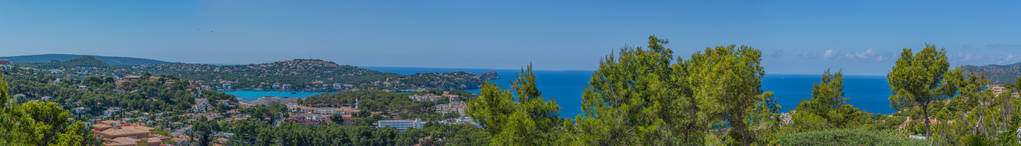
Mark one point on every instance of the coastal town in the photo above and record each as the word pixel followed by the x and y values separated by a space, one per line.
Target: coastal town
pixel 290 75
pixel 121 126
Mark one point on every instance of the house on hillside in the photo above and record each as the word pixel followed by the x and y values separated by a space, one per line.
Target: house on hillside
pixel 80 110
pixel 308 119
pixel 111 111
pixel 451 96
pixel 997 90
pixel 201 105
pixel 425 97
pixel 125 134
pixel 127 78
pixel 458 107
pixel 5 64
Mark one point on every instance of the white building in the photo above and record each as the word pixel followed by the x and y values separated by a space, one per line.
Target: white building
pixel 5 64
pixel 426 97
pixel 402 125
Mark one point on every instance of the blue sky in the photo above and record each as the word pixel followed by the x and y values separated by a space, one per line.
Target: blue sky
pixel 797 37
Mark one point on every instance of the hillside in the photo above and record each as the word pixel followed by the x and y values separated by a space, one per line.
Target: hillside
pixel 45 58
pixel 294 73
pixel 997 73
pixel 83 61
pixel 311 74
pixel 298 74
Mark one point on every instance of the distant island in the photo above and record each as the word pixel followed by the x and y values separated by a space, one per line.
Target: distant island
pixel 290 75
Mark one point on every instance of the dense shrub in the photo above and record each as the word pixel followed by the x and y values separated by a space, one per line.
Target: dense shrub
pixel 845 137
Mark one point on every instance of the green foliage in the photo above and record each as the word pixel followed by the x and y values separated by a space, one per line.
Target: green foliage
pixel 336 118
pixel 726 82
pixel 530 121
pixel 203 130
pixel 980 116
pixel 4 95
pixel 632 97
pixel 267 113
pixel 373 100
pixel 918 79
pixel 163 94
pixel 639 96
pixel 827 95
pixel 394 103
pixel 38 123
pixel 974 116
pixel 826 109
pixel 82 61
pixel 253 132
pixel 844 137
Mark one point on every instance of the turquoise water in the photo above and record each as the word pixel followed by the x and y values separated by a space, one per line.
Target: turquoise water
pixel 869 93
pixel 253 95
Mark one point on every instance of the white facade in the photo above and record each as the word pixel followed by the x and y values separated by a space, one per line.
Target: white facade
pixel 402 125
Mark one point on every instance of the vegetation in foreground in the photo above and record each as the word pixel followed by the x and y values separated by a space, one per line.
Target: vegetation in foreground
pixel 643 96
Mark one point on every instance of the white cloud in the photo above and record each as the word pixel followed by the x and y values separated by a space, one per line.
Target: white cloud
pixel 829 53
pixel 869 54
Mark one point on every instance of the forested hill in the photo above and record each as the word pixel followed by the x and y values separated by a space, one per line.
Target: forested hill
pixel 46 58
pixel 997 73
pixel 312 74
pixel 294 73
pixel 298 74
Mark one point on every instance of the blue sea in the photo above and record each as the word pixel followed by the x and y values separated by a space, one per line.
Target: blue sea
pixel 869 93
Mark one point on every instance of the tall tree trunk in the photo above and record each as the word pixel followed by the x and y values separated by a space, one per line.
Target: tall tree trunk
pixel 982 121
pixel 739 125
pixel 744 136
pixel 925 115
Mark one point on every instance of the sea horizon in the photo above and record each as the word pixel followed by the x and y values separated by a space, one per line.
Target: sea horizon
pixel 866 92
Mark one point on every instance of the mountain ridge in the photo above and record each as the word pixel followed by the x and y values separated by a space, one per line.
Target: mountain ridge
pixel 1005 73
pixel 112 60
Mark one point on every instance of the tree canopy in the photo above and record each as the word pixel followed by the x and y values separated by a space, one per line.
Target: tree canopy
pixel 642 95
pixel 920 78
pixel 38 123
pixel 523 117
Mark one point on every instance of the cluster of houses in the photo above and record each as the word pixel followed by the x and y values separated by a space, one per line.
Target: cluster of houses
pixel 453 106
pixel 997 90
pixel 115 133
pixel 458 107
pixel 203 104
pixel 346 110
pixel 434 97
pixel 321 115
